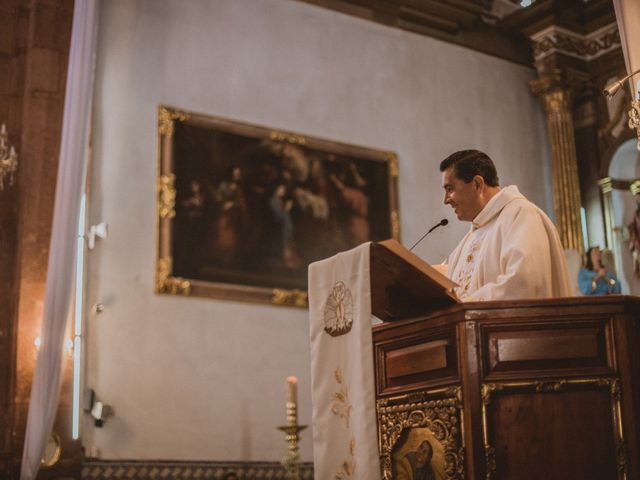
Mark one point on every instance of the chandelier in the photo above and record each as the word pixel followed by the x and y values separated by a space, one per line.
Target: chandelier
pixel 8 158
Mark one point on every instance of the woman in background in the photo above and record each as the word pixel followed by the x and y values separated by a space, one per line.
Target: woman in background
pixel 594 279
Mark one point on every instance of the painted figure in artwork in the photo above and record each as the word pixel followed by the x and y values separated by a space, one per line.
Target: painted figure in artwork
pixel 416 465
pixel 280 205
pixel 230 200
pixel 355 202
pixel 190 221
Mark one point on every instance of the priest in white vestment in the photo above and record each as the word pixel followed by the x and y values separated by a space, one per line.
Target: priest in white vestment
pixel 512 250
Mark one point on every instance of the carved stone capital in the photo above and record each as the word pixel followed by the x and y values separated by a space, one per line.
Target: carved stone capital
pixel 557 101
pixel 553 80
pixel 555 91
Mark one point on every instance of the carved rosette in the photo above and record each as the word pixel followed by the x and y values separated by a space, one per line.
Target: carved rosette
pixel 442 416
pixel 165 283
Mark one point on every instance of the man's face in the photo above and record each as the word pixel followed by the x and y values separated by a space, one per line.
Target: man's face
pixel 463 197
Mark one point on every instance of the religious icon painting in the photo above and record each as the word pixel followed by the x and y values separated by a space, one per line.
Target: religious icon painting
pixel 418 455
pixel 421 436
pixel 243 210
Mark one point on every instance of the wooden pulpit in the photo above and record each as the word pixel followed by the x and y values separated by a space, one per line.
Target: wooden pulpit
pixel 518 390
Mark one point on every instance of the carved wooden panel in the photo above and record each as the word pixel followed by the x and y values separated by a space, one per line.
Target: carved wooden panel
pixel 547 348
pixel 417 361
pixel 554 430
pixel 549 388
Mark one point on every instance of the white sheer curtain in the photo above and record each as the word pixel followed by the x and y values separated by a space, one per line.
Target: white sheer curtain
pixel 628 19
pixel 60 276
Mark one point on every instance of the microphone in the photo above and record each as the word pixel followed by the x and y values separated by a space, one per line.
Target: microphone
pixel 442 223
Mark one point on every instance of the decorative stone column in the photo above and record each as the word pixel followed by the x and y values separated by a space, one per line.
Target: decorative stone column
pixel 566 187
pixel 614 234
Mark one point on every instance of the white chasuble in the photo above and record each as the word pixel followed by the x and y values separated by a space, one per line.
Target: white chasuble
pixel 512 251
pixel 345 440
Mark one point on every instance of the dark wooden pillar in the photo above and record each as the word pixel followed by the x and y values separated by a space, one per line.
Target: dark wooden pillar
pixel 10 115
pixel 34 50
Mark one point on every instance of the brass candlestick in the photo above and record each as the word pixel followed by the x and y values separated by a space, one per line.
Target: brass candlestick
pixel 292 429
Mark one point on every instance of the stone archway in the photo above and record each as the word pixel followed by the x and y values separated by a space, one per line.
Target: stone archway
pixel 624 165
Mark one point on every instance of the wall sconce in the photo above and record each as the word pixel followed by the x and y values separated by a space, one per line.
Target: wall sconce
pixel 98 410
pixel 8 158
pixel 634 114
pixel 96 231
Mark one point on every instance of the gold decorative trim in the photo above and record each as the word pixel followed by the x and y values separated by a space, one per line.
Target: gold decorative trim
pixel 490 461
pixel 394 168
pixel 165 283
pixel 635 187
pixel 553 386
pixel 93 469
pixel 557 101
pixel 167 196
pixel 612 384
pixel 290 298
pixel 395 224
pixel 167 118
pixel 287 137
pixel 606 185
pixel 438 410
pixel 634 119
pixel 52 452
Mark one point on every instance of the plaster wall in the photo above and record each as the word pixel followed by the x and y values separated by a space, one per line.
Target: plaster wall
pixel 190 378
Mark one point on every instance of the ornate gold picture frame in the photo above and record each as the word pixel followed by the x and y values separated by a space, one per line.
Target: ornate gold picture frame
pixel 243 209
pixel 421 435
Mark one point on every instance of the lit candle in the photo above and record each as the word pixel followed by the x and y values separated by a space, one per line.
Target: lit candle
pixel 292 401
pixel 292 390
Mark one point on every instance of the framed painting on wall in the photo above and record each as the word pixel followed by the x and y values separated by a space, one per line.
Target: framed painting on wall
pixel 242 209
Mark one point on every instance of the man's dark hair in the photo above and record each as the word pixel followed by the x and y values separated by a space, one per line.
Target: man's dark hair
pixel 469 163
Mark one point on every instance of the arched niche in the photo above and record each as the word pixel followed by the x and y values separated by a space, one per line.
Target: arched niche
pixel 624 165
